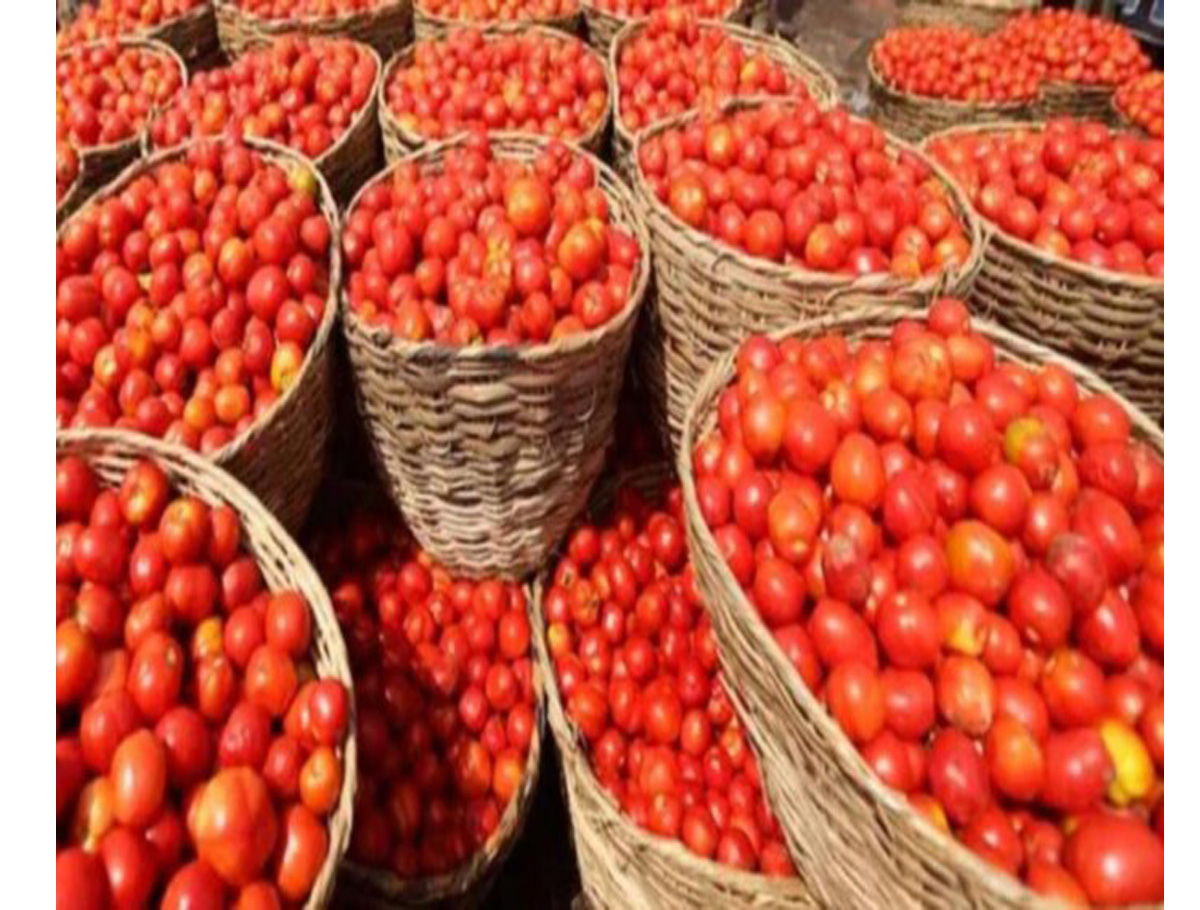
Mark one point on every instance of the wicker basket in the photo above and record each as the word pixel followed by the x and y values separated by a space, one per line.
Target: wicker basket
pixel 489 452
pixel 427 26
pixel 1074 99
pixel 860 843
pixel 709 296
pixel 282 456
pixel 820 83
pixel 399 142
pixel 99 164
pixel 1111 322
pixel 980 15
pixel 385 28
pixel 112 452
pixel 192 35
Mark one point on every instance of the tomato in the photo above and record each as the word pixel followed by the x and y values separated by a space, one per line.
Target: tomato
pixel 131 865
pixel 1015 761
pixel 139 776
pixel 156 674
pixel 991 835
pixel 194 887
pixel 856 700
pixel 980 561
pixel 958 776
pixel 856 471
pixel 1116 860
pixel 187 743
pixel 233 824
pixel 304 843
pixel 1038 606
pixel 1078 769
pixel 907 628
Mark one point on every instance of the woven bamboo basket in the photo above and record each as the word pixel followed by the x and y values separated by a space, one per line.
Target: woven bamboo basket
pixel 980 15
pixel 112 452
pixel 385 28
pixel 860 843
pixel 709 296
pixel 821 85
pixel 427 25
pixel 282 456
pixel 399 142
pixel 1111 322
pixel 489 452
pixel 1074 99
pixel 603 27
pixel 99 164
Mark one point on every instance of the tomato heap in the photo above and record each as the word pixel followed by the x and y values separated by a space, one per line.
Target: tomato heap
pixel 308 9
pixel 110 18
pixel 1073 189
pixel 299 91
pixel 488 249
pixel 197 758
pixel 106 93
pixel 66 168
pixel 963 559
pixel 532 82
pixel 498 10
pixel 444 693
pixel 637 667
pixel 1143 102
pixel 186 302
pixel 636 9
pixel 673 64
pixel 953 63
pixel 791 184
pixel 1069 46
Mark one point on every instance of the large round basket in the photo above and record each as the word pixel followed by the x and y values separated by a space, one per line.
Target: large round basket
pixel 281 457
pixel 709 296
pixel 820 83
pixel 427 25
pixel 859 843
pixel 112 452
pixel 488 451
pixel 1074 99
pixel 980 15
pixel 99 164
pixel 1111 322
pixel 603 27
pixel 399 141
pixel 385 27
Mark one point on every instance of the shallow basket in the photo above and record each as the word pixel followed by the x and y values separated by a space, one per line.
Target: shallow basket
pixel 859 843
pixel 820 83
pixel 709 296
pixel 603 27
pixel 112 452
pixel 385 28
pixel 427 26
pixel 1073 99
pixel 980 15
pixel 281 457
pixel 490 451
pixel 399 142
pixel 1111 322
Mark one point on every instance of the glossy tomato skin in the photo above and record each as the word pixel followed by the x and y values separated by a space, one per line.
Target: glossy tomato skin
pixel 234 825
pixel 80 881
pixel 1117 860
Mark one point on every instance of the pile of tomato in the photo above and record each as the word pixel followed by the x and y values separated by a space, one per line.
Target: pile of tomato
pixel 636 9
pixel 1069 46
pixel 790 183
pixel 186 302
pixel 483 11
pixel 962 557
pixel 443 690
pixel 66 168
pixel 308 9
pixel 1142 101
pixel 1073 189
pixel 110 18
pixel 674 64
pixel 637 667
pixel 197 757
pixel 952 63
pixel 552 85
pixel 488 249
pixel 301 92
pixel 106 93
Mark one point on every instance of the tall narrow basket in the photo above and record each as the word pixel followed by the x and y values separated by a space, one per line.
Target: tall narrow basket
pixel 386 27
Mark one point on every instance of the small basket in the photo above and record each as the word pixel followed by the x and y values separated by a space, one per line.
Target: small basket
pixel 603 27
pixel 428 26
pixel 399 142
pixel 281 457
pixel 980 15
pixel 112 452
pixel 490 452
pixel 1074 99
pixel 820 83
pixel 1111 322
pixel 385 28
pixel 710 296
pixel 859 843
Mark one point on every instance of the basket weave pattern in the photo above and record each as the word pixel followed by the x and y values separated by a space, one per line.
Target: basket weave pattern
pixel 980 15
pixel 1071 99
pixel 385 28
pixel 193 35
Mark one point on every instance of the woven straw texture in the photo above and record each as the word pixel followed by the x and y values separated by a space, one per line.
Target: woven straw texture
pixel 489 452
pixel 820 82
pixel 980 15
pixel 603 27
pixel 427 26
pixel 859 843
pixel 399 142
pixel 710 296
pixel 112 452
pixel 192 35
pixel 282 456
pixel 1111 322
pixel 385 28
pixel 1071 99
pixel 73 198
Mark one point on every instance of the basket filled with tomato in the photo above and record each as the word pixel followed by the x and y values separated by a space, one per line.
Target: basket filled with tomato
pixel 68 182
pixel 1074 251
pixel 434 18
pixel 492 290
pixel 672 61
pixel 332 88
pixel 384 25
pixel 205 748
pixel 728 264
pixel 933 556
pixel 503 77
pixel 186 26
pixel 215 334
pixel 1140 104
pixel 980 15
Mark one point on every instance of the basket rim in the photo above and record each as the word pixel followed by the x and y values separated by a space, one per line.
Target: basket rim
pixel 90 442
pixel 446 23
pixel 835 282
pixel 490 31
pixel 702 544
pixel 996 234
pixel 435 352
pixel 71 193
pixel 280 156
pixel 285 24
pixel 952 105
